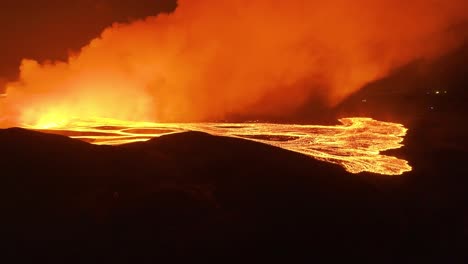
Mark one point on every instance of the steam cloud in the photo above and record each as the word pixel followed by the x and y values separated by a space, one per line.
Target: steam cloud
pixel 210 59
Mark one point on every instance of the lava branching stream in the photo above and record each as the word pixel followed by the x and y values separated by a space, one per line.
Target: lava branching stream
pixel 356 144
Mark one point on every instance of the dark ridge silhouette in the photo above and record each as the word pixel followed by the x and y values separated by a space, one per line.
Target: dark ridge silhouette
pixel 420 90
pixel 195 196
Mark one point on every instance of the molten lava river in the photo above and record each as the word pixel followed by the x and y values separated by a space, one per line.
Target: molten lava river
pixel 356 144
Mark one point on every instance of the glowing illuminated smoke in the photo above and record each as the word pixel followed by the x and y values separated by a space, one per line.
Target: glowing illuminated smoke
pixel 356 144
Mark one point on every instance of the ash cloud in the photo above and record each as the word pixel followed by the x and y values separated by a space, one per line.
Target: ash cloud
pixel 211 59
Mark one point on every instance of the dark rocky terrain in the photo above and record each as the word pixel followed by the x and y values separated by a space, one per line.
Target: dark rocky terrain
pixel 193 195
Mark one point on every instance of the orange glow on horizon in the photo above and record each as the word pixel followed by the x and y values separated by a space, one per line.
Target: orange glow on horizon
pixel 210 59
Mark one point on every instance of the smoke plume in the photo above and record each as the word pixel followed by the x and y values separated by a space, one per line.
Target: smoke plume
pixel 209 59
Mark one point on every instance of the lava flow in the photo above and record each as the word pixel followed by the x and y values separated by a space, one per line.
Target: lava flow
pixel 356 144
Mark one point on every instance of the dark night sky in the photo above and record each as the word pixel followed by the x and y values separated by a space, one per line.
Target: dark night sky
pixel 49 29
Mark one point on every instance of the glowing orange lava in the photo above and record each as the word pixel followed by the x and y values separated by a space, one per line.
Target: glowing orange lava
pixel 356 144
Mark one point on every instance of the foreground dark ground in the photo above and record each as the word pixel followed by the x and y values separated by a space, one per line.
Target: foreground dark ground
pixel 195 196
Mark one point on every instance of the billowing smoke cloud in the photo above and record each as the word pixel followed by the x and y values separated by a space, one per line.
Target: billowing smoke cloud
pixel 210 59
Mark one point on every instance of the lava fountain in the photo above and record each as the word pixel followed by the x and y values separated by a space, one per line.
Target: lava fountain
pixel 356 144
